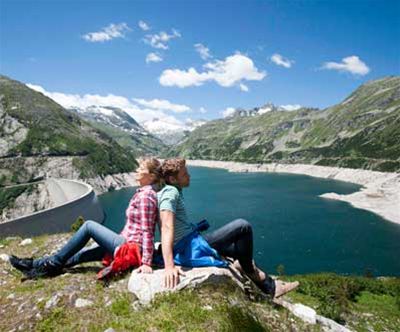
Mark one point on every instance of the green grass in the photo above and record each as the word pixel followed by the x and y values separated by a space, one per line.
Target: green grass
pixel 346 298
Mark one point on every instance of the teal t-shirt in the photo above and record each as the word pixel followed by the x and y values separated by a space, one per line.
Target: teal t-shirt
pixel 171 199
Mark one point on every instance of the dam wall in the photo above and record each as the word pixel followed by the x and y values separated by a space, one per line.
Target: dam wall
pixel 73 199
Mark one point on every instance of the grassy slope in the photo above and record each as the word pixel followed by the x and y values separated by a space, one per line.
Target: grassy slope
pixel 219 307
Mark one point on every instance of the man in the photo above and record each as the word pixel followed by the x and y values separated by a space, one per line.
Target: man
pixel 235 239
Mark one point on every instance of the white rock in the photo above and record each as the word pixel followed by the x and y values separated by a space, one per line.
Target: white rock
pixel 110 329
pixel 80 303
pixel 305 313
pixel 146 286
pixel 52 302
pixel 207 307
pixel 4 257
pixel 11 296
pixel 25 242
pixel 331 325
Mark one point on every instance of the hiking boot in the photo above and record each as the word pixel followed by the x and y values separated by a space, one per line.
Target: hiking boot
pixel 45 269
pixel 282 287
pixel 21 264
pixel 268 286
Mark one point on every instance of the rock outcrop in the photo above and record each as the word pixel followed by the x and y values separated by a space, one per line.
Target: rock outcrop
pixel 30 201
pixel 146 286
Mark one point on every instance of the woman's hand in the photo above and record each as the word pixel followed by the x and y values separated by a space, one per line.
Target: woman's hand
pixel 145 269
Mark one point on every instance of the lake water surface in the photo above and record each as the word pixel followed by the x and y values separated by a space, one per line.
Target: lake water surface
pixel 292 225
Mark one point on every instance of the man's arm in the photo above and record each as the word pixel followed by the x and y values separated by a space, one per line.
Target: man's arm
pixel 167 220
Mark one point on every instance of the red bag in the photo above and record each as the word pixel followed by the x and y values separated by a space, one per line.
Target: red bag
pixel 127 256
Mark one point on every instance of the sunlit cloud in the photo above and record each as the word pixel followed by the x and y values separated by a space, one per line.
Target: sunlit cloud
pixel 351 64
pixel 229 72
pixel 108 33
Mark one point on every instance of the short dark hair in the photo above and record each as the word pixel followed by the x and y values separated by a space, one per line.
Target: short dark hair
pixel 171 167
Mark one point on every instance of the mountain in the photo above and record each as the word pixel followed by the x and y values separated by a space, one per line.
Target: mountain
pixel 363 131
pixel 38 137
pixel 122 127
pixel 172 133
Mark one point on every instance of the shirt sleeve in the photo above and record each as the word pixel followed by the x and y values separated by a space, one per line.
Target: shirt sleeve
pixel 169 199
pixel 148 217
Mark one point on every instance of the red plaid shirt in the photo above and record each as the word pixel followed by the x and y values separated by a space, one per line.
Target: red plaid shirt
pixel 141 217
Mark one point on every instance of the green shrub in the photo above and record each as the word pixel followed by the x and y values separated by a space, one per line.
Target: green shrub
pixel 280 269
pixel 336 293
pixel 77 224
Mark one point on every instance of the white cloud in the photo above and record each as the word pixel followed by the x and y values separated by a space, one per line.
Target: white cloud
pixel 162 105
pixel 203 51
pixel 153 57
pixel 231 71
pixel 142 115
pixel 161 39
pixel 291 107
pixel 202 110
pixel 144 26
pixel 182 78
pixel 351 64
pixel 281 61
pixel 108 33
pixel 228 112
pixel 243 87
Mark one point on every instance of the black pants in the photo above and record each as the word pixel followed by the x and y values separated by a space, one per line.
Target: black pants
pixel 235 240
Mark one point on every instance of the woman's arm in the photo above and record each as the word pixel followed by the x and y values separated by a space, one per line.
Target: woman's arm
pixel 148 216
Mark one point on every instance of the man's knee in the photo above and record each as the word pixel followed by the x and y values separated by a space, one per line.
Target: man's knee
pixel 244 225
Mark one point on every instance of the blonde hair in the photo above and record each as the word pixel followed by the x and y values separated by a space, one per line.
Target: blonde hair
pixel 153 165
pixel 171 167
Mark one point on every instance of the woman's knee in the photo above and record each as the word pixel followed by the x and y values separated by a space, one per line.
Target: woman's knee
pixel 88 224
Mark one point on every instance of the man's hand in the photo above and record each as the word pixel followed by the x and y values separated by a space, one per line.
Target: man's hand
pixel 171 272
pixel 171 276
pixel 145 269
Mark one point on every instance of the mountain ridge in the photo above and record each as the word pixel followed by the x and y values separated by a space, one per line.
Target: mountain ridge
pixel 34 126
pixel 363 131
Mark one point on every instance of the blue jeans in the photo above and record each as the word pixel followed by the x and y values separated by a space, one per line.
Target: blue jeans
pixel 235 240
pixel 74 252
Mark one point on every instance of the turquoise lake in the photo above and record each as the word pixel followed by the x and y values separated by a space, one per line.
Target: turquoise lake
pixel 292 225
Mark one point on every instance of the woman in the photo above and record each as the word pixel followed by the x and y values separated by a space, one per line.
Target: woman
pixel 138 233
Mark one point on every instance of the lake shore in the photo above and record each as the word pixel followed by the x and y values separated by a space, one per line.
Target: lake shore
pixel 380 192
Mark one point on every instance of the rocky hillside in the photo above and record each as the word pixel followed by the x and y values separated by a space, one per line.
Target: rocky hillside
pixel 38 138
pixel 122 127
pixel 363 131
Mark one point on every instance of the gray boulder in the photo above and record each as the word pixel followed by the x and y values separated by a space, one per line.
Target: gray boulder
pixel 146 286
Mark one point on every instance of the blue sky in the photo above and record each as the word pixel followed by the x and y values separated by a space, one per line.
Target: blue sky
pixel 310 53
